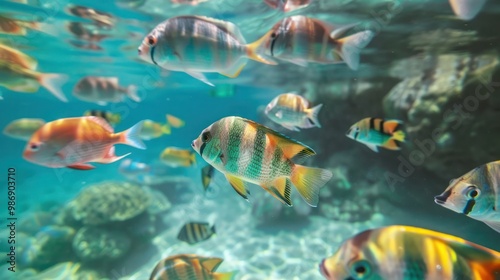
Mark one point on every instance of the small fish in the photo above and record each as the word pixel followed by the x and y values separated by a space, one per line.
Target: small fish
pixel 189 267
pixel 20 28
pixel 23 129
pixel 292 112
pixel 175 157
pixel 99 18
pixel 112 118
pixel 245 151
pixel 16 57
pixel 73 142
pixel 174 121
pixel 129 167
pixel 207 173
pixel 301 40
pixel 20 79
pixel 467 9
pixel 195 232
pixel 223 91
pixel 476 194
pixel 152 129
pixel 86 32
pixel 404 252
pixel 175 45
pixel 102 90
pixel 288 5
pixel 376 132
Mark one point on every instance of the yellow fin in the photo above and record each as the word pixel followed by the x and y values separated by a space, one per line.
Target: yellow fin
pixel 281 190
pixel 392 144
pixel 308 181
pixel 235 70
pixel 165 129
pixel 224 275
pixel 399 136
pixel 211 264
pixel 253 51
pixel 238 185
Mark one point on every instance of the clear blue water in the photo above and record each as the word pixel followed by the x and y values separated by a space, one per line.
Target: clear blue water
pixel 257 238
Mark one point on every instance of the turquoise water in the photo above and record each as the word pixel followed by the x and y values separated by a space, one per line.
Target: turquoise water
pixel 422 61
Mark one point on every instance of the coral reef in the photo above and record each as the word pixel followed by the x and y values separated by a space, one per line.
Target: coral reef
pixel 93 244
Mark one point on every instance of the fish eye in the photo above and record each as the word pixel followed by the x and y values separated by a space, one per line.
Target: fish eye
pixel 151 40
pixel 472 192
pixel 273 35
pixel 361 269
pixel 206 137
pixel 34 147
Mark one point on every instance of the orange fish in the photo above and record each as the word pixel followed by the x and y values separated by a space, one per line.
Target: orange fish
pixel 73 142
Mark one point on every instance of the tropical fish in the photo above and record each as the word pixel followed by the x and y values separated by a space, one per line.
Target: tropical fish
pixel 23 129
pixel 175 157
pixel 301 40
pixel 195 232
pixel 292 112
pixel 174 121
pixel 207 173
pixel 404 252
pixel 102 90
pixel 21 79
pixel 86 32
pixel 175 45
pixel 376 132
pixel 152 129
pixel 112 118
pixel 99 18
pixel 476 194
pixel 73 142
pixel 288 5
pixel 16 57
pixel 19 27
pixel 189 267
pixel 248 152
pixel 467 9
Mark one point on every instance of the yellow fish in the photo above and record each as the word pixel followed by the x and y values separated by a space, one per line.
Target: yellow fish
pixel 410 253
pixel 152 129
pixel 176 157
pixel 175 121
pixel 16 57
pixel 189 267
pixel 23 129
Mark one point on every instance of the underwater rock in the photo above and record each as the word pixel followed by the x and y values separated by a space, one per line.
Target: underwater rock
pixel 159 202
pixel 52 244
pixel 109 201
pixel 446 106
pixel 32 222
pixel 93 244
pixel 66 271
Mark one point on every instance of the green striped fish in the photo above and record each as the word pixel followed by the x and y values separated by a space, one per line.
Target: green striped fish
pixel 194 232
pixel 189 267
pixel 248 152
pixel 197 44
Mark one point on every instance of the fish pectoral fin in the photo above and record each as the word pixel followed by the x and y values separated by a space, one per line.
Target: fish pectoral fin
pixel 235 70
pixel 111 156
pixel 238 185
pixel 199 76
pixel 81 166
pixel 281 189
pixel 493 224
pixel 372 147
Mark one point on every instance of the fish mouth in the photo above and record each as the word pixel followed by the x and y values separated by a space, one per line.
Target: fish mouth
pixel 439 199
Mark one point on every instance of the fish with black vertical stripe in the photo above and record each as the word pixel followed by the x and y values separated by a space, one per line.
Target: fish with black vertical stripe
pixel 195 232
pixel 189 267
pixel 248 152
pixel 475 194
pixel 376 132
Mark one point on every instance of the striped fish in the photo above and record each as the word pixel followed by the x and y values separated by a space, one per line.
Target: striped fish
pixel 74 142
pixel 301 40
pixel 189 267
pixel 102 90
pixel 196 44
pixel 195 232
pixel 248 152
pixel 292 111
pixel 410 253
pixel 375 132
pixel 112 118
pixel 476 194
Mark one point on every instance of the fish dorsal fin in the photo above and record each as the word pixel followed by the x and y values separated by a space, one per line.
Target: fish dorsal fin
pixel 292 149
pixel 238 185
pixel 226 26
pixel 391 125
pixel 102 122
pixel 211 264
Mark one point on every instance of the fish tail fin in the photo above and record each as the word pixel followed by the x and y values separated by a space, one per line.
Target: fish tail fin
pixel 253 52
pixel 54 83
pixel 308 181
pixel 392 144
pixel 166 129
pixel 192 158
pixel 224 275
pixel 132 93
pixel 350 47
pixel 399 136
pixel 131 136
pixel 312 114
pixel 466 9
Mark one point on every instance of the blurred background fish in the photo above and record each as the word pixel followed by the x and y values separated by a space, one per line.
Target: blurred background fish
pixel 23 129
pixel 112 118
pixel 376 132
pixel 292 111
pixel 176 157
pixel 102 90
pixel 151 130
pixel 196 232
